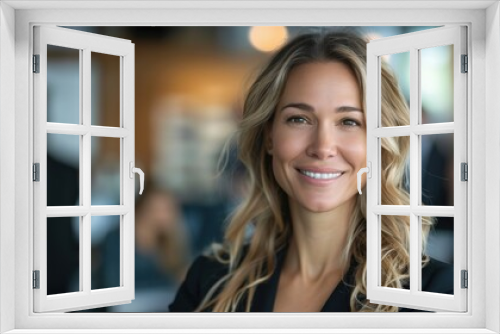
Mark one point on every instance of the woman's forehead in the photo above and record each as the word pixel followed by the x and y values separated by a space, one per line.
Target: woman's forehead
pixel 320 81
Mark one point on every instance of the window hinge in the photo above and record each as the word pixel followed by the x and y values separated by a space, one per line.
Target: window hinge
pixel 465 64
pixel 464 171
pixel 465 279
pixel 36 172
pixel 36 279
pixel 36 63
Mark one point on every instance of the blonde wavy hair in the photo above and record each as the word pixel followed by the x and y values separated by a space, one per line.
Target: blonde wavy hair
pixel 266 205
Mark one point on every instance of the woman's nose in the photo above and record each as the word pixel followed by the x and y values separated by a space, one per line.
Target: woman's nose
pixel 324 144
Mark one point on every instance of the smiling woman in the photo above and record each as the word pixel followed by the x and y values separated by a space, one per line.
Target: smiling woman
pixel 303 139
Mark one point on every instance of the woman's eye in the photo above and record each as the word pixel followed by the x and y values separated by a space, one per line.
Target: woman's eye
pixel 297 120
pixel 349 122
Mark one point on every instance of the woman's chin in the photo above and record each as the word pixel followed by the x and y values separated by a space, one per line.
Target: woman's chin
pixel 321 207
pixel 324 206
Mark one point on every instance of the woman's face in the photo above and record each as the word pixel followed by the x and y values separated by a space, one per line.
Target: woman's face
pixel 318 137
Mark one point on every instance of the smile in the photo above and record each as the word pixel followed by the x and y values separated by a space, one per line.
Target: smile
pixel 320 176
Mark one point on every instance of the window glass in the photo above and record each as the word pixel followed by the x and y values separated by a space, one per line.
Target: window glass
pixel 63 170
pixel 440 247
pixel 392 150
pixel 399 68
pixel 106 101
pixel 437 169
pixel 436 84
pixel 63 259
pixel 63 85
pixel 105 258
pixel 106 183
pixel 392 275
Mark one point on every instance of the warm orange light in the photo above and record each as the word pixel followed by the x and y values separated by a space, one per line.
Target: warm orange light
pixel 267 39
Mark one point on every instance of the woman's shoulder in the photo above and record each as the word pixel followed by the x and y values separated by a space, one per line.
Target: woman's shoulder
pixel 437 277
pixel 209 267
pixel 203 273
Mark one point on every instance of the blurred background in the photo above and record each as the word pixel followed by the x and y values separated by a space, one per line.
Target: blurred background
pixel 189 88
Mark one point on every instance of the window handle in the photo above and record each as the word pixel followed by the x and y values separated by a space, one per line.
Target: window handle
pixel 367 170
pixel 141 175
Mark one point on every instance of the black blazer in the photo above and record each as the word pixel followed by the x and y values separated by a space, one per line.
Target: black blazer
pixel 205 272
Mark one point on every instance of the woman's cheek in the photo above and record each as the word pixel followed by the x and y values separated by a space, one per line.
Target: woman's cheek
pixel 290 143
pixel 355 148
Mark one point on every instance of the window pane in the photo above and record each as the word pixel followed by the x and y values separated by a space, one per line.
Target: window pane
pixel 105 171
pixel 395 256
pixel 105 231
pixel 63 169
pixel 437 169
pixel 63 85
pixel 436 84
pixel 396 114
pixel 63 255
pixel 105 89
pixel 395 169
pixel 440 249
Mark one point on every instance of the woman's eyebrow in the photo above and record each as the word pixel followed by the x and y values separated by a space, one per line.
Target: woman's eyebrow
pixel 348 109
pixel 301 106
pixel 307 107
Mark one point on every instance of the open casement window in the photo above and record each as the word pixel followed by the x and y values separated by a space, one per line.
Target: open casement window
pixel 419 48
pixel 80 136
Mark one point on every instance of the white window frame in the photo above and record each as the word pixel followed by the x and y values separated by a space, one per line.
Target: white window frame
pixel 16 126
pixel 413 44
pixel 84 43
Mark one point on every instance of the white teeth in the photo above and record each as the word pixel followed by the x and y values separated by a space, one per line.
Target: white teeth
pixel 320 176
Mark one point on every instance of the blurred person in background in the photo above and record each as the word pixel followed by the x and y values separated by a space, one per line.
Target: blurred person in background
pixel 161 252
pixel 160 232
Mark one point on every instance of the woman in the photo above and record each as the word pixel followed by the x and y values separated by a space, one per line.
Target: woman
pixel 303 139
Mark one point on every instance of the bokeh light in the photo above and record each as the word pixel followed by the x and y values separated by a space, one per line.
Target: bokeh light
pixel 267 39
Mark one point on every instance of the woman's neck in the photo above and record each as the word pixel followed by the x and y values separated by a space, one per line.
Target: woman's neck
pixel 318 243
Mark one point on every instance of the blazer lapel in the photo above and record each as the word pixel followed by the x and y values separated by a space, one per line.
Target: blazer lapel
pixel 339 300
pixel 265 293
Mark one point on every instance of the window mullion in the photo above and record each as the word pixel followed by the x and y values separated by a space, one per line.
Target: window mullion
pixel 414 171
pixel 85 244
pixel 395 210
pixel 80 211
pixel 422 210
pixel 419 129
pixel 433 128
pixel 109 210
pixel 66 211
pixel 105 131
pixel 66 129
